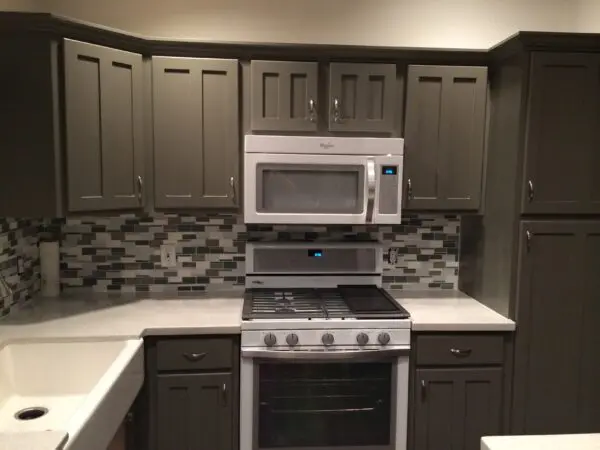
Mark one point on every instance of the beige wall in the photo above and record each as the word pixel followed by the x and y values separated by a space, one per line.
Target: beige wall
pixel 588 18
pixel 411 23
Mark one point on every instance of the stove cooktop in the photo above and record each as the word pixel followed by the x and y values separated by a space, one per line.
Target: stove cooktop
pixel 343 302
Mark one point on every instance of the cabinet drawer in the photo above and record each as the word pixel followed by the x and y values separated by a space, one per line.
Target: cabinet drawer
pixel 457 349
pixel 190 354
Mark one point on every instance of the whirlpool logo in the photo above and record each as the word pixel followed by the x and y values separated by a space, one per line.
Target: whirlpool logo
pixel 326 145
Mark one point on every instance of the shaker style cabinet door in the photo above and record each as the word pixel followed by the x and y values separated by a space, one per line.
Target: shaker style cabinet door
pixel 455 408
pixel 195 411
pixel 556 373
pixel 196 132
pixel 284 96
pixel 362 97
pixel 444 137
pixel 563 137
pixel 104 128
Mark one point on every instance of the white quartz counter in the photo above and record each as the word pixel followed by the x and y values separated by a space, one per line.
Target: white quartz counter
pixel 449 310
pixel 549 442
pixel 80 315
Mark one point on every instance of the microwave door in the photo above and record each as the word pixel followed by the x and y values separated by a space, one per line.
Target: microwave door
pixel 307 189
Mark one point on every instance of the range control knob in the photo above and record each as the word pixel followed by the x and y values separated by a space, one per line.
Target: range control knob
pixel 327 339
pixel 362 338
pixel 383 338
pixel 270 340
pixel 292 339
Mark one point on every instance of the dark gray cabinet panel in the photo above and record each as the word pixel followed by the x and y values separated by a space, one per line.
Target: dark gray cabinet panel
pixel 196 132
pixel 557 308
pixel 104 129
pixel 195 412
pixel 362 97
pixel 589 390
pixel 562 143
pixel 444 137
pixel 454 408
pixel 284 95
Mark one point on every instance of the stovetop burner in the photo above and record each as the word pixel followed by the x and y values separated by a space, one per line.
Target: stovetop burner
pixel 343 302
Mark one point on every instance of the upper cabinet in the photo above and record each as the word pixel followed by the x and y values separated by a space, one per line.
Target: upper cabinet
pixel 362 97
pixel 104 128
pixel 284 96
pixel 196 132
pixel 444 137
pixel 562 148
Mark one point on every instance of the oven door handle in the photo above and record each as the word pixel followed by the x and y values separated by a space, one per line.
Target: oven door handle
pixel 371 188
pixel 326 355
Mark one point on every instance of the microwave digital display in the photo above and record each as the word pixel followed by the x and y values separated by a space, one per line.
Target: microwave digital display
pixel 315 253
pixel 389 170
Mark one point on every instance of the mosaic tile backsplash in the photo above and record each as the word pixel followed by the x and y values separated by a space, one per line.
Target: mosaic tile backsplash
pixel 19 243
pixel 123 253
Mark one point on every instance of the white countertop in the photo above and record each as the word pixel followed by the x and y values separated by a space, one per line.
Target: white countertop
pixel 449 310
pixel 35 440
pixel 549 442
pixel 80 314
pixel 88 315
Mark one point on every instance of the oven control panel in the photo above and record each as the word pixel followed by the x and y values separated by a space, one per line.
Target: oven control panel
pixel 331 338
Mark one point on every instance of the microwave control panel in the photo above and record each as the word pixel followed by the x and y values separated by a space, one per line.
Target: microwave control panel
pixel 388 190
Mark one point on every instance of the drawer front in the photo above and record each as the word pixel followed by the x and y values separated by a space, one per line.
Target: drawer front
pixel 190 354
pixel 459 350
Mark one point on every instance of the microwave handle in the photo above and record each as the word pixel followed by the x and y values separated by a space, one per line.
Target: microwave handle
pixel 371 188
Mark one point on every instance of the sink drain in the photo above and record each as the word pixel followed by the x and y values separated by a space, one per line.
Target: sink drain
pixel 31 413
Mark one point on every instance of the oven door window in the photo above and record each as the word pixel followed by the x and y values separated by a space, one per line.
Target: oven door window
pixel 305 188
pixel 324 405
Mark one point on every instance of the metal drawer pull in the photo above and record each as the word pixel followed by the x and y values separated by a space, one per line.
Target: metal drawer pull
pixel 312 113
pixel 337 110
pixel 194 357
pixel 459 353
pixel 319 411
pixel 530 191
pixel 423 389
pixel 224 392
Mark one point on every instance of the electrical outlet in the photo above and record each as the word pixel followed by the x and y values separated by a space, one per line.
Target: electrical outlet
pixel 392 255
pixel 167 256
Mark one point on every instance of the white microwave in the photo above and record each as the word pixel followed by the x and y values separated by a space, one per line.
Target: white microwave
pixel 322 180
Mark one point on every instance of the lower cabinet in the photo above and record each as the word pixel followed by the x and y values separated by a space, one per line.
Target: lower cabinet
pixel 191 394
pixel 457 390
pixel 194 411
pixel 454 408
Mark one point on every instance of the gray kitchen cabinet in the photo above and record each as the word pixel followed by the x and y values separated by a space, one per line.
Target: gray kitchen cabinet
pixel 191 396
pixel 362 97
pixel 194 411
pixel 196 132
pixel 104 128
pixel 284 96
pixel 562 139
pixel 454 408
pixel 444 137
pixel 556 358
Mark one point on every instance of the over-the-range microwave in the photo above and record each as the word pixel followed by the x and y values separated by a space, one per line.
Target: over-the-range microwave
pixel 322 180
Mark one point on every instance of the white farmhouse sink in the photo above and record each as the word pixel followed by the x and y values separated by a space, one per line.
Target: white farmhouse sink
pixel 87 387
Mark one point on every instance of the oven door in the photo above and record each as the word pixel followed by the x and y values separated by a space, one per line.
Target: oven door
pixel 305 403
pixel 322 189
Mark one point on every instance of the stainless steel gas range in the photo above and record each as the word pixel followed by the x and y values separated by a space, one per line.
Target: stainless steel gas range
pixel 324 352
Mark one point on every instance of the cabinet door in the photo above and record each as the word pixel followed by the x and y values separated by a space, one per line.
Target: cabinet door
pixel 362 97
pixel 284 95
pixel 562 156
pixel 194 411
pixel 104 129
pixel 454 408
pixel 444 137
pixel 589 390
pixel 550 314
pixel 196 132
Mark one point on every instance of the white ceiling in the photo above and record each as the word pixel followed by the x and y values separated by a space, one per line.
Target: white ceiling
pixel 412 23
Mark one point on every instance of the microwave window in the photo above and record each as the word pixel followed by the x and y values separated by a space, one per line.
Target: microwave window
pixel 306 189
